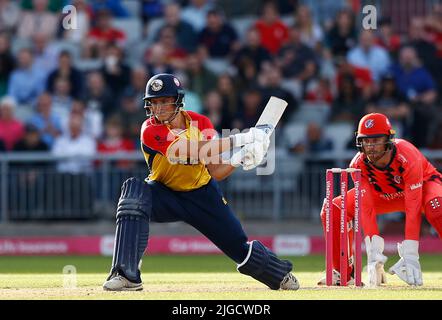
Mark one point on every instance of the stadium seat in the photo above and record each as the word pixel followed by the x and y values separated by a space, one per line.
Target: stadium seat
pixel 73 48
pixel 293 133
pixel 88 65
pixel 18 43
pixel 152 29
pixel 217 66
pixel 132 6
pixel 340 134
pixel 132 27
pixel 241 25
pixel 288 20
pixel 312 112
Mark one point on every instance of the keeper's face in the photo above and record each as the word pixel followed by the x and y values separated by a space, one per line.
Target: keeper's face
pixel 374 148
pixel 162 107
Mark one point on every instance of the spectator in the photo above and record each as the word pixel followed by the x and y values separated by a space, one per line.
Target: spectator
pixel 74 144
pixel 342 37
pixel 433 60
pixel 193 101
pixel 417 85
pixel 156 60
pixel 218 38
pixel 115 7
pixel 175 56
pixel 45 54
pixel 273 86
pixel 362 76
pixel 74 170
pixel 6 62
pixel 132 116
pixel 115 72
pixel 92 119
pixel 26 82
pixel 368 54
pixel 273 32
pixel 84 19
pixel 11 129
pixel 412 79
pixel 137 86
pixel 102 35
pixel 420 40
pixel 30 142
pixel 250 109
pixel 311 33
pixel 296 60
pixel 46 121
pixel 150 9
pixel 185 35
pixel 114 141
pixel 229 94
pixel 214 109
pixel 39 20
pixel 348 106
pixel 61 100
pixel 252 52
pixel 67 71
pixel 391 103
pixel 319 92
pixel 98 96
pixel 9 16
pixel 29 177
pixel 387 38
pixel 201 79
pixel 313 142
pixel 433 23
pixel 195 13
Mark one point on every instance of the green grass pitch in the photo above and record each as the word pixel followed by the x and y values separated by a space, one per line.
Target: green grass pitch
pixel 193 278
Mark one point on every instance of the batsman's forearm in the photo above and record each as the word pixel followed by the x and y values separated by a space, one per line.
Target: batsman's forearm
pixel 220 171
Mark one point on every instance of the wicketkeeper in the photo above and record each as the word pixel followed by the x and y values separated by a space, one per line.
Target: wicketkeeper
pixel 395 176
pixel 185 158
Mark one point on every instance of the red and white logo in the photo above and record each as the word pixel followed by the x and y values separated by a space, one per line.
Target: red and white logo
pixel 177 82
pixel 369 123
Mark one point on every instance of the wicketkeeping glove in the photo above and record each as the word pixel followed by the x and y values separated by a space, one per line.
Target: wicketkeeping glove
pixel 408 267
pixel 375 260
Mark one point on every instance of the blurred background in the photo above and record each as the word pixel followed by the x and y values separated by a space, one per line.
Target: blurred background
pixel 71 99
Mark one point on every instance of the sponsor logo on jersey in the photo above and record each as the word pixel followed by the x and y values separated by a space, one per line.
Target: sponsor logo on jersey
pixel 416 185
pixel 391 196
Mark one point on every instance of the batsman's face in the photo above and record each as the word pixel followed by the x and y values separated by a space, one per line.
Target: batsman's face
pixel 374 148
pixel 162 107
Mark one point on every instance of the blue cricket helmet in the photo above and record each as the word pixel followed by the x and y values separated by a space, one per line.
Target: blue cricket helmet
pixel 164 85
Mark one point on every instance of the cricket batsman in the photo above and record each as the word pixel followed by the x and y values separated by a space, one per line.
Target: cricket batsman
pixel 185 159
pixel 395 176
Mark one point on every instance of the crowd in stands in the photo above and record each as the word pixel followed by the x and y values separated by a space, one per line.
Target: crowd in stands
pixel 79 91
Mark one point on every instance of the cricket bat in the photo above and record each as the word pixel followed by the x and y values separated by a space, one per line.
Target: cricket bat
pixel 271 115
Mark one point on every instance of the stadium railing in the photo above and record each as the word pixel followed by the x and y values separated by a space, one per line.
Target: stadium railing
pixel 32 187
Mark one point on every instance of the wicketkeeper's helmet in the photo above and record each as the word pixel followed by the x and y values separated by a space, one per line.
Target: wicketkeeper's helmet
pixel 374 125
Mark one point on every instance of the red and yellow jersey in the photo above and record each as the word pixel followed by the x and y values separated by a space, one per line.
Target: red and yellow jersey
pixel 401 179
pixel 178 174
